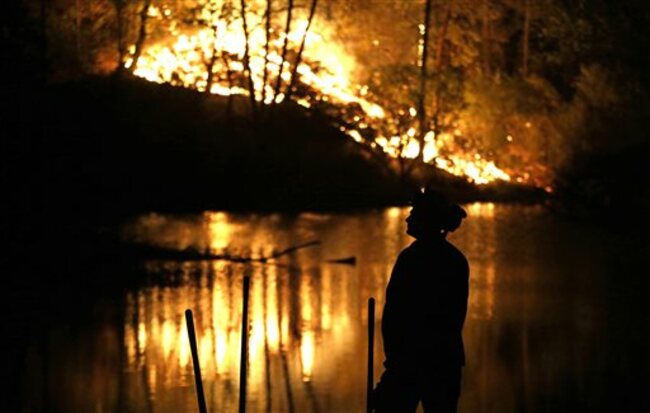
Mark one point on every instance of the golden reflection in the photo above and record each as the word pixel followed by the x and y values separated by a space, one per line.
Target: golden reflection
pixel 205 351
pixel 152 376
pixel 158 343
pixel 168 338
pixel 161 339
pixel 481 209
pixel 307 355
pixel 220 319
pixel 481 305
pixel 130 344
pixel 293 310
pixel 272 327
pixel 394 212
pixel 311 319
pixel 142 330
pixel 306 327
pixel 307 315
pixel 183 344
pixel 257 322
pixel 480 237
pixel 142 338
pixel 341 324
pixel 284 320
pixel 326 299
pixel 306 310
pixel 130 341
pixel 221 230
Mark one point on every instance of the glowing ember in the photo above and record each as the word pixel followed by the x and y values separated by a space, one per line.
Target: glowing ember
pixel 182 59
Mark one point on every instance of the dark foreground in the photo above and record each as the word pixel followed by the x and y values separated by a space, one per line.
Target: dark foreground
pixel 557 319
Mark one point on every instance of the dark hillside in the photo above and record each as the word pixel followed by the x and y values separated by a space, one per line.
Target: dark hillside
pixel 128 145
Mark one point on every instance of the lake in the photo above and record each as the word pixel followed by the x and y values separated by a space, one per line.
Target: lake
pixel 557 319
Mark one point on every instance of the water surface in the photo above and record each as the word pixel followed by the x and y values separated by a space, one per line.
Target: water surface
pixel 555 322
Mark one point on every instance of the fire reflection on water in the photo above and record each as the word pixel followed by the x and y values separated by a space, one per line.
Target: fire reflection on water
pixel 528 331
pixel 481 230
pixel 156 340
pixel 301 313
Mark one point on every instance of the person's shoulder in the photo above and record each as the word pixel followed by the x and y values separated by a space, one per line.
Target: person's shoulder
pixel 408 251
pixel 458 255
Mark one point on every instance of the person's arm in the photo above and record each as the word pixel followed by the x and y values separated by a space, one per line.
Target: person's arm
pixel 460 309
pixel 391 325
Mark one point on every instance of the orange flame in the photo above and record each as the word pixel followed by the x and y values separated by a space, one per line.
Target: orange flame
pixel 181 58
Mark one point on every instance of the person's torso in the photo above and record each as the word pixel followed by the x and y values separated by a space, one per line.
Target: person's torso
pixel 429 300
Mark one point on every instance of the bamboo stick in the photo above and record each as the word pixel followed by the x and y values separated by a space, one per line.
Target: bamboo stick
pixel 195 361
pixel 371 352
pixel 244 347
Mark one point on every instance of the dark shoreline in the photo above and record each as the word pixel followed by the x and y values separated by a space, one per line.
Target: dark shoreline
pixel 97 151
pixel 120 146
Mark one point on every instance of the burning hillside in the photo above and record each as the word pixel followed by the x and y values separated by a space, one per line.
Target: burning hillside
pixel 227 52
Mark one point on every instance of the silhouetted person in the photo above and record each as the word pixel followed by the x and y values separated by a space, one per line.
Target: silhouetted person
pixel 426 303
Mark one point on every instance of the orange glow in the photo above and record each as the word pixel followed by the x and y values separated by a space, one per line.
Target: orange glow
pixel 205 351
pixel 481 209
pixel 180 58
pixel 272 326
pixel 142 338
pixel 307 346
pixel 130 344
pixel 164 351
pixel 183 344
pixel 326 300
pixel 257 322
pixel 220 230
pixel 168 338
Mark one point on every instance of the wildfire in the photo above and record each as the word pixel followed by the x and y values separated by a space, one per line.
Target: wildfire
pixel 185 58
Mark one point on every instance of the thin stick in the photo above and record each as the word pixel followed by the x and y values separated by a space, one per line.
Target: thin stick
pixel 292 249
pixel 191 254
pixel 195 361
pixel 244 348
pixel 371 352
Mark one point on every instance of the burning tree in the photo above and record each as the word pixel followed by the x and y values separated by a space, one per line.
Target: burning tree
pixel 463 84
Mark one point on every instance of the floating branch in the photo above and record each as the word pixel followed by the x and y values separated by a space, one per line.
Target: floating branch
pixel 192 254
pixel 348 261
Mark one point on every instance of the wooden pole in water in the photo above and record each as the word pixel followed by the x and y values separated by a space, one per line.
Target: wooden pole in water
pixel 244 348
pixel 195 361
pixel 371 353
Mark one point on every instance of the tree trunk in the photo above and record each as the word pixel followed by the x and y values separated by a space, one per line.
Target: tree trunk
pixel 287 28
pixel 215 56
pixel 294 72
pixel 442 35
pixel 230 85
pixel 266 49
pixel 486 37
pixel 211 62
pixel 119 22
pixel 247 67
pixel 527 13
pixel 422 118
pixel 142 35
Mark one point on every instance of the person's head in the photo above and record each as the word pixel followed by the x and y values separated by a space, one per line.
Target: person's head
pixel 433 215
